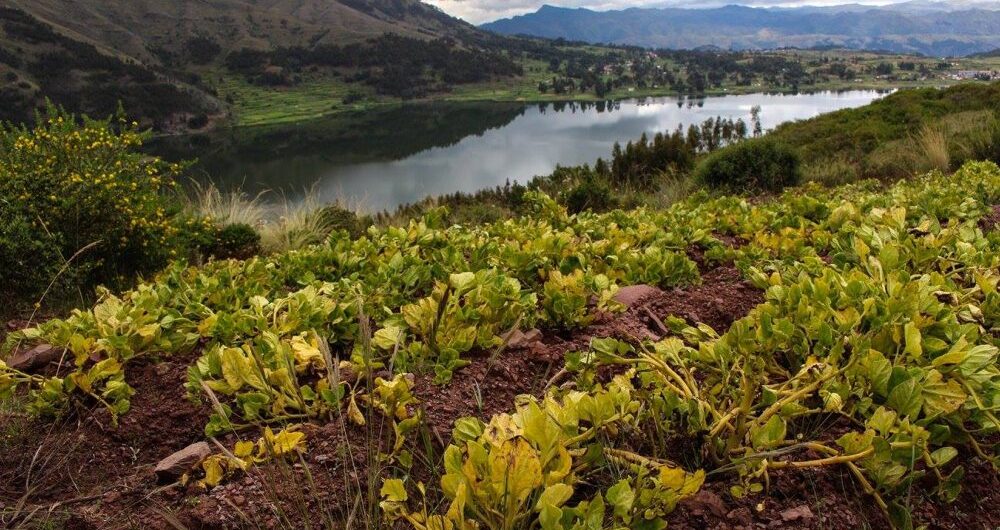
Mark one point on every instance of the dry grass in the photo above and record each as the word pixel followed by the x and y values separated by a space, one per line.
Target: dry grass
pixel 284 224
pixel 225 208
pixel 833 172
pixel 932 149
pixel 296 225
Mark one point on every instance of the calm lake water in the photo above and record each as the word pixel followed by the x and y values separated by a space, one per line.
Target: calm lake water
pixel 380 159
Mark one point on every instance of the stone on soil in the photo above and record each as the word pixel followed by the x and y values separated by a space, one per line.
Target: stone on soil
pixel 172 467
pixel 794 514
pixel 36 357
pixel 520 339
pixel 630 296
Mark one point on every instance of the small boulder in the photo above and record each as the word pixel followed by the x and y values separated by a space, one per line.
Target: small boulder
pixel 172 467
pixel 705 502
pixel 520 339
pixel 35 358
pixel 632 295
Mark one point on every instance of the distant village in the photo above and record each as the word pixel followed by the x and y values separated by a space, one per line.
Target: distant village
pixel 982 75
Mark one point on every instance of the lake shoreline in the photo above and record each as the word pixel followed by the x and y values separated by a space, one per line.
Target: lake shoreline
pixel 479 96
pixel 386 157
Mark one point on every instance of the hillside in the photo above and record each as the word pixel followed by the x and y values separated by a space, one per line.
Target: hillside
pixel 38 64
pixel 153 55
pixel 147 30
pixel 930 32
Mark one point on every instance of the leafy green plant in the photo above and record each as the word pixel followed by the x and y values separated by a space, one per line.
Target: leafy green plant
pixel 566 299
pixel 520 470
pixel 471 311
pixel 84 185
pixel 237 241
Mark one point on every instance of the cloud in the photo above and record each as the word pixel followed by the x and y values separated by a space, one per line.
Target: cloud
pixel 481 11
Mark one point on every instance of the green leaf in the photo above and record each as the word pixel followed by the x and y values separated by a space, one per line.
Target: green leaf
pixel 467 429
pixel 770 434
pixel 943 455
pixel 906 398
pixel 621 498
pixel 462 282
pixel 941 397
pixel 899 516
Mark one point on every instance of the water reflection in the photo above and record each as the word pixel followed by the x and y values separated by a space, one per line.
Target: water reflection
pixel 383 158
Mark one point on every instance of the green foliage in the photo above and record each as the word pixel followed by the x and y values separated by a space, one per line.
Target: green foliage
pixel 881 308
pixel 524 468
pixel 752 166
pixel 593 193
pixel 567 299
pixel 335 217
pixel 875 141
pixel 471 311
pixel 29 258
pixel 239 241
pixel 82 188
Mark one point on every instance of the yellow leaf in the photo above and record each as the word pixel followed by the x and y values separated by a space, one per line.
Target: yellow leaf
pixel 280 444
pixel 214 472
pixel 305 348
pixel 238 369
pixel 393 490
pixel 243 449
pixel 515 467
pixel 354 413
pixel 672 477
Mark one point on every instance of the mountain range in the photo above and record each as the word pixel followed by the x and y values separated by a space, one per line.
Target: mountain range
pixel 929 28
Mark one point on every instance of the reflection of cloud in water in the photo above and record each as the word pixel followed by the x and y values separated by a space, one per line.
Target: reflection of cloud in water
pixel 531 144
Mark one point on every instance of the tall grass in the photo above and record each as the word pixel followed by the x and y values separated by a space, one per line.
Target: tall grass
pixel 284 224
pixel 932 149
pixel 295 225
pixel 225 208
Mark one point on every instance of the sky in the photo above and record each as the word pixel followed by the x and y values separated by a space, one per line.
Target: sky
pixel 480 11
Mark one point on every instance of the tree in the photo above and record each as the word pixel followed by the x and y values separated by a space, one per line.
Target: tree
pixel 755 120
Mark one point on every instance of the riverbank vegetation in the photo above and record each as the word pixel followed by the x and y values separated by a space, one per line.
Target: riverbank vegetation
pixel 62 175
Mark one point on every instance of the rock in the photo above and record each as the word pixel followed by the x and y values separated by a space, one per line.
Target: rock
pixel 794 514
pixel 36 357
pixel 172 467
pixel 705 502
pixel 519 339
pixel 631 296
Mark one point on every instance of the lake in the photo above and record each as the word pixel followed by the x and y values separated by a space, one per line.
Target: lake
pixel 380 159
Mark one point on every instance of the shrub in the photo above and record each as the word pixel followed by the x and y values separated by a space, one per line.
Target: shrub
pixel 752 166
pixel 69 186
pixel 592 193
pixel 236 241
pixel 29 259
pixel 336 217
